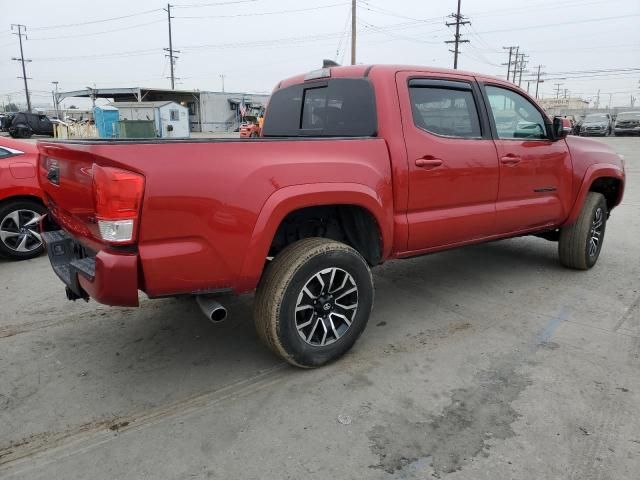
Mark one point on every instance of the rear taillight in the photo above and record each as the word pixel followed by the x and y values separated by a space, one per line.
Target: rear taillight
pixel 117 196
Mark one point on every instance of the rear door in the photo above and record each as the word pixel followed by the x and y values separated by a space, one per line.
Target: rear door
pixel 453 165
pixel 535 172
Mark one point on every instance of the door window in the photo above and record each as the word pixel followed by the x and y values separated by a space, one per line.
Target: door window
pixel 445 111
pixel 515 117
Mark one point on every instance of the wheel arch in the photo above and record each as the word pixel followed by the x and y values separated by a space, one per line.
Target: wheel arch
pixel 289 200
pixel 33 197
pixel 607 179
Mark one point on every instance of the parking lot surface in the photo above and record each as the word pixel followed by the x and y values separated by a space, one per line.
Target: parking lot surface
pixel 486 362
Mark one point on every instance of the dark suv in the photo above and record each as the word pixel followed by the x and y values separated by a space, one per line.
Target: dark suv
pixel 26 124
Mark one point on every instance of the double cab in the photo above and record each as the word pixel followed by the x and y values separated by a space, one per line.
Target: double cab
pixel 356 166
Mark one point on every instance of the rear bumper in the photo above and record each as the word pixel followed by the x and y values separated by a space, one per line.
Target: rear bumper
pixel 108 278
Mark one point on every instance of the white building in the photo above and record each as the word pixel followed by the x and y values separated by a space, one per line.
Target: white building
pixel 207 111
pixel 171 119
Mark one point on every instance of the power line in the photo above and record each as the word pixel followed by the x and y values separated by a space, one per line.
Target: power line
pixel 560 24
pixel 367 6
pixel 97 33
pixel 22 60
pixel 459 20
pixel 260 14
pixel 212 4
pixel 93 22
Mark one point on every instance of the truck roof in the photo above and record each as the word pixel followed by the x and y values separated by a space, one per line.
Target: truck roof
pixel 355 71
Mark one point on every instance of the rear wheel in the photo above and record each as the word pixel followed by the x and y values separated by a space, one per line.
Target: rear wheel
pixel 19 237
pixel 314 301
pixel 580 244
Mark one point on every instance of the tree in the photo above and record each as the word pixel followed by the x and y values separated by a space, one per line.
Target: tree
pixel 11 107
pixel 73 107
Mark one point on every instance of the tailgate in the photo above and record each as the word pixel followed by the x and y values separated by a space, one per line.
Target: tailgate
pixel 86 194
pixel 65 175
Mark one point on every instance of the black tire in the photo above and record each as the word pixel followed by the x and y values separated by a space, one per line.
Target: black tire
pixel 575 246
pixel 7 224
pixel 26 133
pixel 281 290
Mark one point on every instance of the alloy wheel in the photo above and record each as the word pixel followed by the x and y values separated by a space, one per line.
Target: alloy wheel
pixel 19 231
pixel 596 232
pixel 326 306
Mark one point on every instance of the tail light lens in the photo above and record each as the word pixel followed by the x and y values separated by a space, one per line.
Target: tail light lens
pixel 117 196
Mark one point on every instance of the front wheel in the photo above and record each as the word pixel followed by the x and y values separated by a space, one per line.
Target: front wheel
pixel 314 301
pixel 580 244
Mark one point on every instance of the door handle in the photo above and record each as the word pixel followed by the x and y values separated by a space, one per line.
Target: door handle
pixel 428 162
pixel 510 159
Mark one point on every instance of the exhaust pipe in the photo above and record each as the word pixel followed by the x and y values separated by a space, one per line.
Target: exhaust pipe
pixel 212 309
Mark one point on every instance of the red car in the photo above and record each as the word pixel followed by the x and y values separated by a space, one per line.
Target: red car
pixel 21 201
pixel 357 165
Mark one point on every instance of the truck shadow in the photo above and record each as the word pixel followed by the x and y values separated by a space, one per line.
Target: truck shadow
pixel 113 364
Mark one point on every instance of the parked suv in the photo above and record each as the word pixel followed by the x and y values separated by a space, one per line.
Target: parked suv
pixel 627 123
pixel 25 124
pixel 596 124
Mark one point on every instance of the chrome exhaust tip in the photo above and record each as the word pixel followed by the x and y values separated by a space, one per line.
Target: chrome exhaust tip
pixel 215 312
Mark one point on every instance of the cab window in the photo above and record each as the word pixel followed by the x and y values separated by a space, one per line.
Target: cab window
pixel 443 110
pixel 515 117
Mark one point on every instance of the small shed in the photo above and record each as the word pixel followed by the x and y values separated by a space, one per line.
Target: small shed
pixel 106 118
pixel 171 119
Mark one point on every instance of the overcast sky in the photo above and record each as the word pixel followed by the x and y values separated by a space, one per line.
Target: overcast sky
pixel 255 43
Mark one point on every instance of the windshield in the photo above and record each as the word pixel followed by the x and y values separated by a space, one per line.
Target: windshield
pixel 629 116
pixel 596 118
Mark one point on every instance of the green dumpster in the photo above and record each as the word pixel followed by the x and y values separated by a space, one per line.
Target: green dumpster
pixel 137 129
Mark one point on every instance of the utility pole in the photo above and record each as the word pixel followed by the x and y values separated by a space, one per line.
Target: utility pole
pixel 222 78
pixel 55 98
pixel 353 31
pixel 538 80
pixel 558 85
pixel 523 64
pixel 22 60
pixel 598 99
pixel 509 63
pixel 515 64
pixel 171 51
pixel 459 20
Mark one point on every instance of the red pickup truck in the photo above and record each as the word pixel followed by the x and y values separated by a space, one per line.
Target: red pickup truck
pixel 357 165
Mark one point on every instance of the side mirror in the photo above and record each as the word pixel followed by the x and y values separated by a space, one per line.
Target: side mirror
pixel 559 130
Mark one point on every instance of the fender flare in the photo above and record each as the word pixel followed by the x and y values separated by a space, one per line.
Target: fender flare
pixel 288 199
pixel 593 173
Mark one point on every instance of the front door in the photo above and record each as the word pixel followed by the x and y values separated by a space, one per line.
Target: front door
pixel 535 172
pixel 453 165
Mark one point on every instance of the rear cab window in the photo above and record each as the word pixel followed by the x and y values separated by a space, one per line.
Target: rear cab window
pixel 339 107
pixel 445 108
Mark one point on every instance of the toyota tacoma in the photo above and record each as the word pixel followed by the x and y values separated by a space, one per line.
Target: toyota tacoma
pixel 357 165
